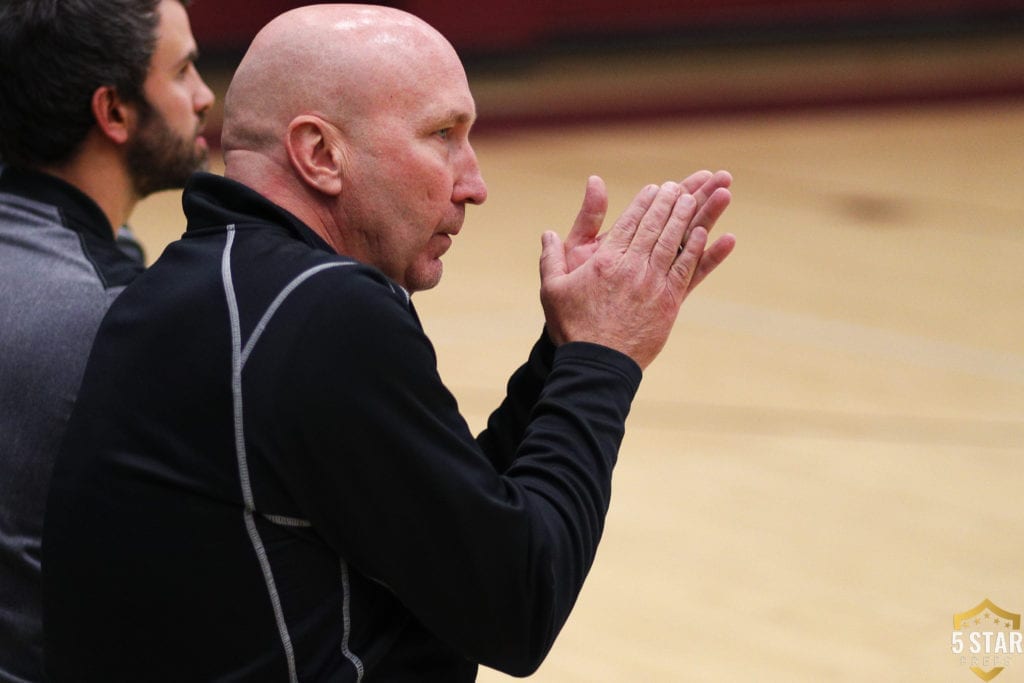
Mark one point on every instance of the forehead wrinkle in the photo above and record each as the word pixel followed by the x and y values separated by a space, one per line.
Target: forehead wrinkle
pixel 456 116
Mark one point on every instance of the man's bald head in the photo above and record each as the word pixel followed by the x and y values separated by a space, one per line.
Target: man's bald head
pixel 356 119
pixel 335 61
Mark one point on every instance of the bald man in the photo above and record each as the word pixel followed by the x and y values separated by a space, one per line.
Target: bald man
pixel 294 495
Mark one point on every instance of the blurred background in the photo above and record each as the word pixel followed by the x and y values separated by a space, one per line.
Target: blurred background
pixel 826 463
pixel 540 62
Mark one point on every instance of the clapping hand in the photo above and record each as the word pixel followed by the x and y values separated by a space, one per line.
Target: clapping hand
pixel 623 289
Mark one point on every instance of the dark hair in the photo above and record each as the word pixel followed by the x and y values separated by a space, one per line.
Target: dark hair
pixel 54 54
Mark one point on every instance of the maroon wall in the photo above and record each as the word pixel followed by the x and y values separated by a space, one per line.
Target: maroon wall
pixel 495 26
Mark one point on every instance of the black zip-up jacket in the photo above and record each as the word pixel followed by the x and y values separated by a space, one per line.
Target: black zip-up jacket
pixel 265 478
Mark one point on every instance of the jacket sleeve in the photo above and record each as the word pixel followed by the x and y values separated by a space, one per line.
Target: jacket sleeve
pixel 507 424
pixel 374 449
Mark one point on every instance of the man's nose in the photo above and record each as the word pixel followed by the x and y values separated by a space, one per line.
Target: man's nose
pixel 204 98
pixel 470 187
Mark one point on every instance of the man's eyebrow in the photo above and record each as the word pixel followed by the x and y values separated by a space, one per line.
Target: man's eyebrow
pixel 192 56
pixel 447 118
pixel 459 116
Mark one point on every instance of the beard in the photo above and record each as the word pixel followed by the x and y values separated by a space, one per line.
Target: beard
pixel 160 159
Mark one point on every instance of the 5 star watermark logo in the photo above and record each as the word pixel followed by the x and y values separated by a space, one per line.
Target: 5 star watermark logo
pixel 987 638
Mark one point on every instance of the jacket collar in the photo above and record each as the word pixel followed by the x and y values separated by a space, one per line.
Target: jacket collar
pixel 77 210
pixel 212 201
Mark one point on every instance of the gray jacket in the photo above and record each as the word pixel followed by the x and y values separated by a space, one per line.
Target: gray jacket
pixel 60 268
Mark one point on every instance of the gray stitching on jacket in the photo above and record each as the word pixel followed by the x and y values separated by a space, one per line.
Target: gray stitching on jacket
pixel 243 467
pixel 239 356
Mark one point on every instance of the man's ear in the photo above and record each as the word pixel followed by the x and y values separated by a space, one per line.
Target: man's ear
pixel 114 117
pixel 314 149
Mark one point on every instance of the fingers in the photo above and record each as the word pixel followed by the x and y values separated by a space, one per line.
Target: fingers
pixel 591 215
pixel 686 264
pixel 711 182
pixel 694 263
pixel 626 291
pixel 696 181
pixel 662 225
pixel 621 234
pixel 711 209
pixel 713 199
pixel 703 184
pixel 712 258
pixel 666 248
pixel 552 257
pixel 659 221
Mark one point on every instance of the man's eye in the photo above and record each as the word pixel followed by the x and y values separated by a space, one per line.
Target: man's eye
pixel 444 133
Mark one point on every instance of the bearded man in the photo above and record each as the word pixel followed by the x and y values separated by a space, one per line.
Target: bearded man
pixel 100 105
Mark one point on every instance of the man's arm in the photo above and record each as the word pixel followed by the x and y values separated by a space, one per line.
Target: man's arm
pixel 491 563
pixel 390 476
pixel 507 424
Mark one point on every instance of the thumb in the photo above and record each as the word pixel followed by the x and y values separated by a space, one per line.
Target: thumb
pixel 552 257
pixel 591 214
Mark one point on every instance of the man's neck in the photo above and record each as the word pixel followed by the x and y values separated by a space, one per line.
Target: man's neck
pixel 274 181
pixel 101 176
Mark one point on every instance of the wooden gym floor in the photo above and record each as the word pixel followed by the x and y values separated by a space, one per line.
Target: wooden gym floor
pixel 826 463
